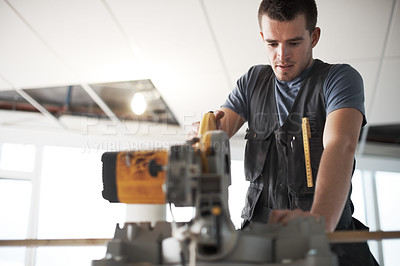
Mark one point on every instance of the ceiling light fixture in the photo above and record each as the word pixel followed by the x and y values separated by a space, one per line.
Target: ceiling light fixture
pixel 138 103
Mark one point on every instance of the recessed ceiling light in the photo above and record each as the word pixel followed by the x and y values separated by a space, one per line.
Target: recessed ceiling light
pixel 138 103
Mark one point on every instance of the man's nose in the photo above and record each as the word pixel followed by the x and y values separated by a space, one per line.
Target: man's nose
pixel 283 52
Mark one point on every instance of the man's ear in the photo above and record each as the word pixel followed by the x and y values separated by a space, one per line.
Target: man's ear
pixel 315 36
pixel 262 36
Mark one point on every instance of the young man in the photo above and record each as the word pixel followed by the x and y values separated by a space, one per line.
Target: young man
pixel 273 99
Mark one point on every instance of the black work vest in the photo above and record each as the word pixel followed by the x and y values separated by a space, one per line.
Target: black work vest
pixel 274 155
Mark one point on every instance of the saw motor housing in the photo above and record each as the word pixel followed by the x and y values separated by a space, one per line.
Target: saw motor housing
pixel 193 174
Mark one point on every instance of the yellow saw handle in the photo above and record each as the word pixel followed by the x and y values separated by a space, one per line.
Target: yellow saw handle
pixel 208 123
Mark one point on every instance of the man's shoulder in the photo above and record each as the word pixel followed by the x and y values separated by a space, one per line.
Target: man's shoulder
pixel 339 69
pixel 257 70
pixel 342 74
pixel 344 69
pixel 260 67
pixel 256 74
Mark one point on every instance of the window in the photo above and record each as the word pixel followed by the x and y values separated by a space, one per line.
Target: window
pixel 71 205
pixel 387 186
pixel 16 163
pixel 15 196
pixel 357 196
pixel 237 192
pixel 17 157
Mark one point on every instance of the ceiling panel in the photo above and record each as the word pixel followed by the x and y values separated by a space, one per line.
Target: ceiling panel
pixel 385 107
pixel 393 48
pixel 189 98
pixel 85 36
pixel 3 84
pixel 352 29
pixel 170 34
pixel 177 46
pixel 25 61
pixel 235 25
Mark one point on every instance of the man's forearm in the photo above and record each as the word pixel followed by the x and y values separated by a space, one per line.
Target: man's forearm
pixel 340 138
pixel 231 122
pixel 333 184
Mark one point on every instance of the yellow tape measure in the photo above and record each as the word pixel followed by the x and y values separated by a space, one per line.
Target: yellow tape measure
pixel 305 125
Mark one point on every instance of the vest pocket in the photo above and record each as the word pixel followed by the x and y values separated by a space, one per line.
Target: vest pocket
pixel 302 201
pixel 297 175
pixel 302 195
pixel 256 151
pixel 252 196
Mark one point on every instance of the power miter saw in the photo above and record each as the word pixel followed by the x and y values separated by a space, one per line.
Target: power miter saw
pixel 197 174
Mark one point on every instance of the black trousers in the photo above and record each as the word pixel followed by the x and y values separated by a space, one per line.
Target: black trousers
pixel 354 254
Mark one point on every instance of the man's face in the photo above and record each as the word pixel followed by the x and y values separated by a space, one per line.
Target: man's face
pixel 289 45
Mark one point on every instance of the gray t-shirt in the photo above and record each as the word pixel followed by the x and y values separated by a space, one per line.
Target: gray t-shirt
pixel 343 88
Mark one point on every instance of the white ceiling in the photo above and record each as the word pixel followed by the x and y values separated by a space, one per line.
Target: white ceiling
pixel 192 50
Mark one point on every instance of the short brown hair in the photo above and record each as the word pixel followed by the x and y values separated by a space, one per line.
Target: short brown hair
pixel 287 10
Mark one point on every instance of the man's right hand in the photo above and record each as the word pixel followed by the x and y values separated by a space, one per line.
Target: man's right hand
pixel 219 114
pixel 227 120
pixel 196 125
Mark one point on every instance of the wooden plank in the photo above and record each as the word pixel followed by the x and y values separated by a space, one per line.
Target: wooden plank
pixel 335 237
pixel 361 236
pixel 55 242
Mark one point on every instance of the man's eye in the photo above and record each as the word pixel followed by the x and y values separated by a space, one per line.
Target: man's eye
pixel 294 43
pixel 272 44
